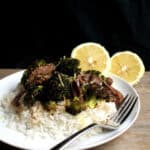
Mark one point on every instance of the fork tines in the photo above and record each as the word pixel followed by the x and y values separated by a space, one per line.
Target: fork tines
pixel 125 109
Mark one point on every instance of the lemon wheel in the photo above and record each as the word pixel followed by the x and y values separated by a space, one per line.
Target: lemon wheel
pixel 127 65
pixel 92 56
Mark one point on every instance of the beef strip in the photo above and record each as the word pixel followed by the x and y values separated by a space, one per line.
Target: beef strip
pixel 98 86
pixel 40 74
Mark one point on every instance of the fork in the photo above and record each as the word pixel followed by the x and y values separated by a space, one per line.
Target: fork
pixel 116 120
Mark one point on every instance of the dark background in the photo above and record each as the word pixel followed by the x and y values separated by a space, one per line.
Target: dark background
pixel 39 30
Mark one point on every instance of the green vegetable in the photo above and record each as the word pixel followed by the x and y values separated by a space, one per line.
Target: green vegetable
pixel 58 87
pixel 51 105
pixel 33 94
pixel 69 66
pixel 75 107
pixel 91 103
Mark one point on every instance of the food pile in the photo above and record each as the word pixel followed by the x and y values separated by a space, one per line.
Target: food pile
pixel 64 83
pixel 80 81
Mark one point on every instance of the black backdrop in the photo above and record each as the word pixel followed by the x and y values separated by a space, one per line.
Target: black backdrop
pixel 39 30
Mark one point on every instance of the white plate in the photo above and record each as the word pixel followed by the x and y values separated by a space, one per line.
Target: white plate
pixel 18 139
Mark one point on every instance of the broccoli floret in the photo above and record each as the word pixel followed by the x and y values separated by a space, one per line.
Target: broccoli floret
pixel 68 66
pixel 75 107
pixel 51 105
pixel 58 87
pixel 33 94
pixel 91 102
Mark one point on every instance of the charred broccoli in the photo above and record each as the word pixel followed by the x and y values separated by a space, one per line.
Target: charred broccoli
pixel 32 95
pixel 68 66
pixel 75 106
pixel 58 87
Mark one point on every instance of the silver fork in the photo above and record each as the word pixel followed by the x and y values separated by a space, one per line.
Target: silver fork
pixel 118 118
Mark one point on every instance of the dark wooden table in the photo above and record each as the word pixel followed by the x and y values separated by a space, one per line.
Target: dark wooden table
pixel 135 138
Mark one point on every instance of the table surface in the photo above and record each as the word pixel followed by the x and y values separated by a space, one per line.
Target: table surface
pixel 135 138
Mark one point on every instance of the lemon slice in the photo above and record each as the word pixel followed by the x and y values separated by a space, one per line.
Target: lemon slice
pixel 92 56
pixel 128 66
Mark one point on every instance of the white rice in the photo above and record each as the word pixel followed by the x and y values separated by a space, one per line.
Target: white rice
pixel 37 122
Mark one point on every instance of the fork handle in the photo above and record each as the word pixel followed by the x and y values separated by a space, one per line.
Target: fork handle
pixel 77 134
pixel 71 138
